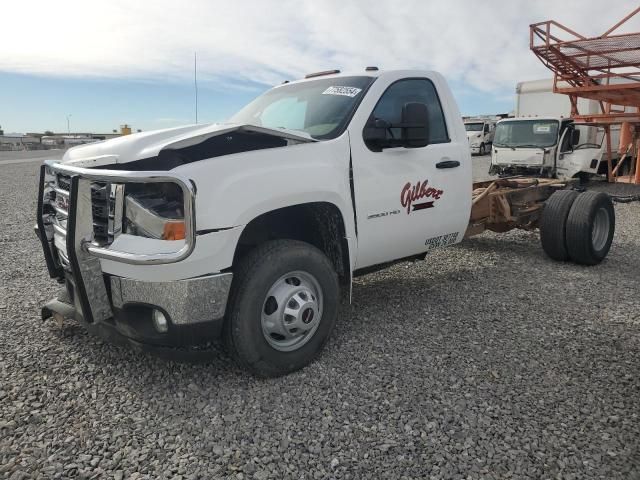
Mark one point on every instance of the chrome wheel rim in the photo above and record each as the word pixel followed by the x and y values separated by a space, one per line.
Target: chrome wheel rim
pixel 292 311
pixel 600 232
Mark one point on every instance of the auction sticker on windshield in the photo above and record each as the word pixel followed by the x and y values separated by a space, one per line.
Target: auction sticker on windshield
pixel 542 128
pixel 345 91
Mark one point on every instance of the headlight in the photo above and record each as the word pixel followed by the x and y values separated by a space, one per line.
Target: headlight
pixel 154 210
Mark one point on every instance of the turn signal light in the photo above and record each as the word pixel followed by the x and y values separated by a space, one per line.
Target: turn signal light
pixel 173 231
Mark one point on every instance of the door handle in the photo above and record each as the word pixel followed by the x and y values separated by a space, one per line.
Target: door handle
pixel 448 164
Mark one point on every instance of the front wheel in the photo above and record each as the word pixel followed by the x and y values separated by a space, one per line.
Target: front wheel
pixel 283 307
pixel 483 150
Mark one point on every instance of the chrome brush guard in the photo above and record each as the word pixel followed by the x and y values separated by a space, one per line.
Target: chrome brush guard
pixel 70 245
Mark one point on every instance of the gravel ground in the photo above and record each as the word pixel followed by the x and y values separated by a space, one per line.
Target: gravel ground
pixel 486 361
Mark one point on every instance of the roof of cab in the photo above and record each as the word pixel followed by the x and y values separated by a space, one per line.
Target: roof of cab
pixel 356 73
pixel 543 118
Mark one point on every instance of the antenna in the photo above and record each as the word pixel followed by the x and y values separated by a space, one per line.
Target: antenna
pixel 195 80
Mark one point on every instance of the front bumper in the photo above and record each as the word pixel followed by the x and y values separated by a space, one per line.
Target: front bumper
pixel 194 309
pixel 512 170
pixel 109 303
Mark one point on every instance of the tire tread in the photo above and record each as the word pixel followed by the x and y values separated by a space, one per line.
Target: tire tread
pixel 579 226
pixel 553 224
pixel 249 265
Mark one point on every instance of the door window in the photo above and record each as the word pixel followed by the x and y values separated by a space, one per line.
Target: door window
pixel 389 107
pixel 567 140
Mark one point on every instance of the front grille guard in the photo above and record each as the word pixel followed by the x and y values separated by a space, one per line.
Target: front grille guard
pixel 83 253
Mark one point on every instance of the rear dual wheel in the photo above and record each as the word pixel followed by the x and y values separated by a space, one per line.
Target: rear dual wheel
pixel 590 228
pixel 553 224
pixel 577 227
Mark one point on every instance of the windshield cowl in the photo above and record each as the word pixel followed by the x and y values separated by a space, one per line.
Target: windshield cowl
pixel 502 145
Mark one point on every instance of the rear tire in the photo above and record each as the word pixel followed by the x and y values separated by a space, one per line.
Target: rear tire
pixel 590 228
pixel 271 283
pixel 553 224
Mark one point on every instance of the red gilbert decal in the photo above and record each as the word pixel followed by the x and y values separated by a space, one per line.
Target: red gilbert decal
pixel 411 193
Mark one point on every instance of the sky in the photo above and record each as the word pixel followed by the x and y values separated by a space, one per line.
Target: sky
pixel 102 64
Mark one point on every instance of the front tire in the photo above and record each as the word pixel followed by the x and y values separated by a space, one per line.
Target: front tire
pixel 283 306
pixel 483 150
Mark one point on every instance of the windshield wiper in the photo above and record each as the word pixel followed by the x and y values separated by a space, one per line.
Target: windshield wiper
pixel 527 145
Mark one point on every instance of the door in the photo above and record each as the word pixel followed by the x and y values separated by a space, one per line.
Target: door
pixel 488 135
pixel 565 148
pixel 409 200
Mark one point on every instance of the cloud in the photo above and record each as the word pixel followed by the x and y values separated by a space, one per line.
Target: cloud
pixel 483 45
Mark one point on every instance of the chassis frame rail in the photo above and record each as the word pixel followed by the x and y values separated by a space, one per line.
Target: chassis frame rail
pixel 507 203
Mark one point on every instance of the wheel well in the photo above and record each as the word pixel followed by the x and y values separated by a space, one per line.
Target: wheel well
pixel 319 224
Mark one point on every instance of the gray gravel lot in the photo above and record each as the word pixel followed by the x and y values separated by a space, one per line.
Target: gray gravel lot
pixel 29 156
pixel 486 361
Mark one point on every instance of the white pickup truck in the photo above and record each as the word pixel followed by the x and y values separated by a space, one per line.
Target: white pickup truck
pixel 253 230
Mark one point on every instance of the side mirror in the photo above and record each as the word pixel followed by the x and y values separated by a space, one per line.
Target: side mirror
pixel 375 134
pixel 575 137
pixel 415 125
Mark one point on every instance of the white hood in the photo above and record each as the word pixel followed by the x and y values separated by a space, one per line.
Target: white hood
pixel 148 144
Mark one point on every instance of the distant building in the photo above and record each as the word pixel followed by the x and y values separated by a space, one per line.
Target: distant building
pixel 65 140
pixel 37 141
pixel 18 141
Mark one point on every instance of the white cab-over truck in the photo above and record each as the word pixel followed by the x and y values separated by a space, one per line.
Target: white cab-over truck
pixel 253 230
pixel 544 140
pixel 480 134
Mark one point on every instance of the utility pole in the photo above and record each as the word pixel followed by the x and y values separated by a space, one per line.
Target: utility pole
pixel 195 80
pixel 68 128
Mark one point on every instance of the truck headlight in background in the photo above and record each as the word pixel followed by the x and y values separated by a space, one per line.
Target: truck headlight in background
pixel 154 210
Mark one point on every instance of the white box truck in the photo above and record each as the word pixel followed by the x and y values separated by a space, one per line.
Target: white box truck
pixel 544 140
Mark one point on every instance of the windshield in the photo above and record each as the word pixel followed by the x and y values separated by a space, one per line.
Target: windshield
pixel 322 108
pixel 473 127
pixel 526 133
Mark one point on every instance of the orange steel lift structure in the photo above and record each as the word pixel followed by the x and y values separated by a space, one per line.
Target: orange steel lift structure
pixel 606 69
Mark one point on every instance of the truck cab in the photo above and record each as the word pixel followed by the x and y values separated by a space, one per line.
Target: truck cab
pixel 547 146
pixel 480 133
pixel 544 140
